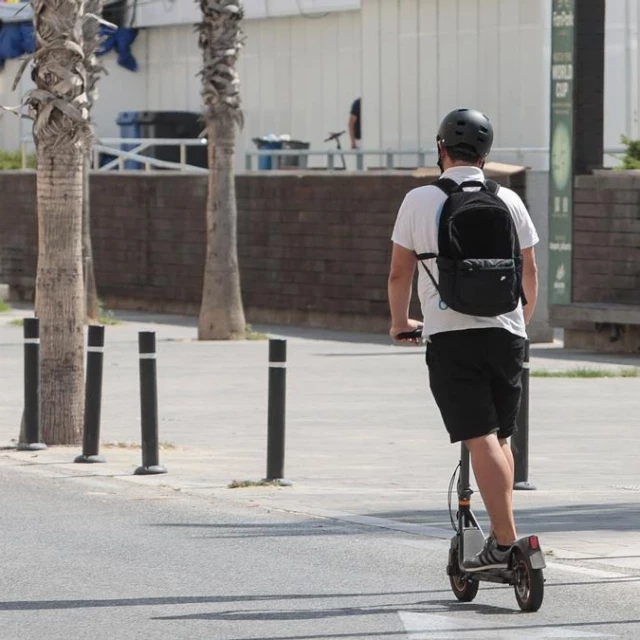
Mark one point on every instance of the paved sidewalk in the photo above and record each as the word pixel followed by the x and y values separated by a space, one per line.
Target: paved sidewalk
pixel 364 438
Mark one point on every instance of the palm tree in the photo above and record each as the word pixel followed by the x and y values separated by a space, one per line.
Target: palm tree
pixel 91 41
pixel 221 38
pixel 61 132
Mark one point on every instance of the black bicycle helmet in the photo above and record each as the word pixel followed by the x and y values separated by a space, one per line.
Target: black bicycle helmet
pixel 468 130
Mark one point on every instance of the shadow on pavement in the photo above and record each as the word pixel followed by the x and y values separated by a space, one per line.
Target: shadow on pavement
pixel 586 517
pixel 441 606
pixel 269 530
pixel 307 333
pixel 36 605
pixel 427 607
pixel 622 516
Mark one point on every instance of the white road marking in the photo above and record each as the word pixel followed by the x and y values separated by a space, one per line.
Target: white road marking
pixel 586 571
pixel 427 626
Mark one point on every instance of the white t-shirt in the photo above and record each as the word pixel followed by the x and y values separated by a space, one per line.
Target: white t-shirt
pixel 416 229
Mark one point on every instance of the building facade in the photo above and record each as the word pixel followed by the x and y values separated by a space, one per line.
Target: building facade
pixel 411 61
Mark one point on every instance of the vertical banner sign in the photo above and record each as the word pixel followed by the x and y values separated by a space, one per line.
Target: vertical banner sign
pixel 561 152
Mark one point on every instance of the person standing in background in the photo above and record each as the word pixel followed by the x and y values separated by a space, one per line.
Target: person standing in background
pixel 355 127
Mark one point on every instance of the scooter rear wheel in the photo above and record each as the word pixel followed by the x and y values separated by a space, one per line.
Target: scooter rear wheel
pixel 529 586
pixel 463 586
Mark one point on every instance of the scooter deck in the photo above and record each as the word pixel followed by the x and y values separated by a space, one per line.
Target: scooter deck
pixel 472 543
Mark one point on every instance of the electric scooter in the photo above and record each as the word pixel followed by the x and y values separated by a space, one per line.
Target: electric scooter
pixel 526 562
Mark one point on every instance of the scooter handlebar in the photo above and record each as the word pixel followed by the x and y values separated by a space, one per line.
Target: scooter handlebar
pixel 335 136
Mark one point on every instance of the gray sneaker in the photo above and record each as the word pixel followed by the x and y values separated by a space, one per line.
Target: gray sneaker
pixel 489 558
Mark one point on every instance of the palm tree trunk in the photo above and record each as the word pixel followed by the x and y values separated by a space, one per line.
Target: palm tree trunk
pixel 61 133
pixel 60 294
pixel 91 307
pixel 220 39
pixel 221 313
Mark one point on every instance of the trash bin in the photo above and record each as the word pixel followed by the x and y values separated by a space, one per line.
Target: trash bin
pixel 174 124
pixel 268 162
pixel 163 124
pixel 297 162
pixel 129 128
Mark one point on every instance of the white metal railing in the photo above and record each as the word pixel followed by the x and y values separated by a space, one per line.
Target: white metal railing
pixel 113 147
pixel 134 153
pixel 386 157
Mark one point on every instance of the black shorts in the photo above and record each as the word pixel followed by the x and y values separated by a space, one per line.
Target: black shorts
pixel 475 376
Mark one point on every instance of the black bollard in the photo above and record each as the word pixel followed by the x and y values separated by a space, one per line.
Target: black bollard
pixel 149 405
pixel 520 440
pixel 93 397
pixel 276 411
pixel 31 415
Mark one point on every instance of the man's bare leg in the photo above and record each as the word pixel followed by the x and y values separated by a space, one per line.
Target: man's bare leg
pixel 495 481
pixel 508 454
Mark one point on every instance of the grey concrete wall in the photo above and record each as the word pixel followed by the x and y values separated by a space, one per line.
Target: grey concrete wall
pixel 538 202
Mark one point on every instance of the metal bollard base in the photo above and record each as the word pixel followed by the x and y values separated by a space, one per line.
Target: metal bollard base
pixel 33 446
pixel 90 459
pixel 281 482
pixel 150 471
pixel 524 486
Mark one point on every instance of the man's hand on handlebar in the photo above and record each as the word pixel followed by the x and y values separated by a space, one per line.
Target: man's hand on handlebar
pixel 407 334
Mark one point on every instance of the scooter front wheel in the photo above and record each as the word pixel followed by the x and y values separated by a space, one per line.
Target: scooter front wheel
pixel 529 585
pixel 463 586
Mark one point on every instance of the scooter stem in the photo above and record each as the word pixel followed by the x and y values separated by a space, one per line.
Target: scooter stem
pixel 464 486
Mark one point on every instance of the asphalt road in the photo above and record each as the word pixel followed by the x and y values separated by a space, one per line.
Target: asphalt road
pixel 97 557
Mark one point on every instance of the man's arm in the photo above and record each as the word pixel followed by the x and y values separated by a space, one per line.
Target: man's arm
pixel 352 130
pixel 403 266
pixel 529 282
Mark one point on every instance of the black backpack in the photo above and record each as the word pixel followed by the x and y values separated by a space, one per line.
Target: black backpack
pixel 479 258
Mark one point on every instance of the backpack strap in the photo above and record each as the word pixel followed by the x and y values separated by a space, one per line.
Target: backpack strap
pixel 446 185
pixel 449 186
pixel 492 186
pixel 427 256
pixel 474 183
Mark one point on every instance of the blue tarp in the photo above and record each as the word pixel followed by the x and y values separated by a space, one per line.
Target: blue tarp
pixel 121 40
pixel 17 39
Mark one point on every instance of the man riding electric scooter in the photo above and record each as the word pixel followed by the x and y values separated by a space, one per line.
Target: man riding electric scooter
pixel 478 288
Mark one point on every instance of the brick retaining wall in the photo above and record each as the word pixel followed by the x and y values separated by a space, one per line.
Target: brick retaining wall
pixel 313 247
pixel 606 261
pixel 605 312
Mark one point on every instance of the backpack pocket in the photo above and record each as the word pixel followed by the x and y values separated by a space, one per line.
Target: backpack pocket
pixel 480 287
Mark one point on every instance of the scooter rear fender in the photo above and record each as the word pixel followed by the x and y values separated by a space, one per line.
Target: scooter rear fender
pixel 530 547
